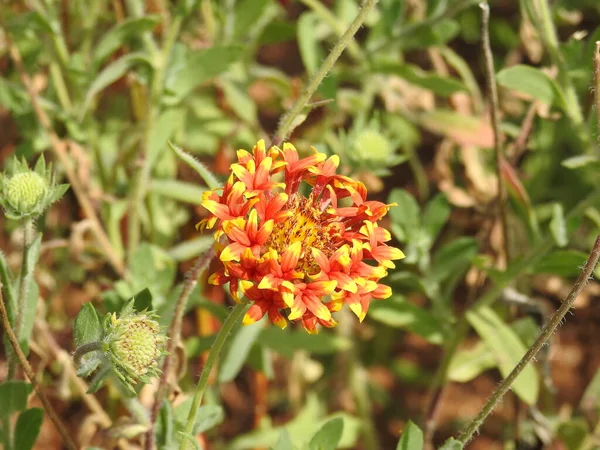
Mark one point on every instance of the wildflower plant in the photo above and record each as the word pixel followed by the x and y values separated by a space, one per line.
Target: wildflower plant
pixel 127 345
pixel 286 241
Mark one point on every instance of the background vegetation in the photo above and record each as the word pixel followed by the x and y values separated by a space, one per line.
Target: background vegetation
pixel 99 88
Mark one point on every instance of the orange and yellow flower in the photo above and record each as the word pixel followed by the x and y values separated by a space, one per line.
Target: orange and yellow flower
pixel 296 255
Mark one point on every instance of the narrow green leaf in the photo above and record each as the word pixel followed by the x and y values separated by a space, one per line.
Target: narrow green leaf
pixel 208 416
pixel 531 81
pixel 443 86
pixel 178 190
pixel 202 66
pixel 328 437
pixel 435 215
pixel 405 215
pixel 192 248
pixel 292 341
pixel 575 162
pixel 411 439
pixel 469 363
pixel 508 350
pixel 451 444
pixel 247 13
pixel 14 395
pixel 558 225
pixel 122 33
pixel 400 313
pixel 87 327
pixel 110 74
pixel 453 257
pixel 33 293
pixel 284 442
pixel 238 351
pixel 28 428
pixel 241 103
pixel 566 263
pixel 191 439
pixel 211 180
pixel 310 48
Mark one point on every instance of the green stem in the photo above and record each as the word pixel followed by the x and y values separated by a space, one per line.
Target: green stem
pixel 84 349
pixel 287 121
pixel 550 40
pixel 545 334
pixel 24 281
pixel 233 318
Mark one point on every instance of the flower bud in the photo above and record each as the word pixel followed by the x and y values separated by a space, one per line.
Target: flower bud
pixel 24 191
pixel 370 145
pixel 135 344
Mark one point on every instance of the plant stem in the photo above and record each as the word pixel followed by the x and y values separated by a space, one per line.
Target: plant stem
pixel 287 121
pixel 493 98
pixel 84 349
pixel 24 281
pixel 597 82
pixel 191 280
pixel 545 334
pixel 14 342
pixel 233 318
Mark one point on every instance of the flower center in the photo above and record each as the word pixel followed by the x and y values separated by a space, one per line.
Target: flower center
pixel 312 228
pixel 138 346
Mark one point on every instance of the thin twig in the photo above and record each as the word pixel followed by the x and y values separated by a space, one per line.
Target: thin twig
pixel 545 334
pixel 59 148
pixel 597 82
pixel 493 98
pixel 287 121
pixel 66 437
pixel 191 280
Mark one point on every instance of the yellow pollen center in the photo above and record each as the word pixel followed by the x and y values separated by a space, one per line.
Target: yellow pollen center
pixel 312 228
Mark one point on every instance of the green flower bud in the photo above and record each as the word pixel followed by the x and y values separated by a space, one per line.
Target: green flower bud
pixel 26 193
pixel 136 344
pixel 370 145
pixel 25 190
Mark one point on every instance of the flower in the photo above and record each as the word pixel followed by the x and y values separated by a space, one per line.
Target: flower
pixel 296 255
pixel 26 193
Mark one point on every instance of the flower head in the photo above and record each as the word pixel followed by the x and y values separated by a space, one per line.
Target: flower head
pixel 26 193
pixel 286 243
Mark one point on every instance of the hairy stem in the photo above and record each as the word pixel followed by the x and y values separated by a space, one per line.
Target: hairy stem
pixel 84 349
pixel 191 280
pixel 286 124
pixel 233 318
pixel 14 342
pixel 545 334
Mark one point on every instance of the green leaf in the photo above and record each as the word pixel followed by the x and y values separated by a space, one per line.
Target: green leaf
pixel 451 444
pixel 573 433
pixel 33 293
pixel 207 417
pixel 143 300
pixel 405 216
pixel 467 364
pixel 200 67
pixel 566 263
pixel 411 439
pixel 284 442
pixel 211 180
pixel 328 437
pixel 239 101
pixel 508 349
pixel 238 351
pixel 191 439
pixel 247 13
pixel 443 86
pixel 435 215
pixel 428 36
pixel 122 33
pixel 192 248
pixel 453 257
pixel 178 190
pixel 575 162
pixel 14 395
pixel 399 313
pixel 558 226
pixel 308 42
pixel 110 74
pixel 290 341
pixel 28 428
pixel 87 327
pixel 531 81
